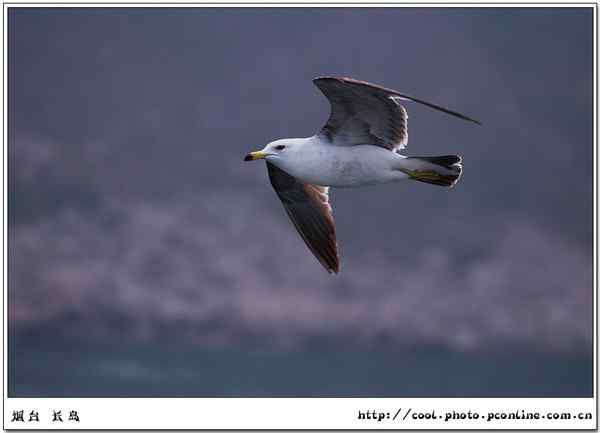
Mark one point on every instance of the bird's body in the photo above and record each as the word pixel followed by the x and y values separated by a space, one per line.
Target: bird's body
pixel 314 160
pixel 358 146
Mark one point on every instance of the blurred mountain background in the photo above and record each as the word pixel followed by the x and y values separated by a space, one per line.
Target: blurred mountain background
pixel 146 259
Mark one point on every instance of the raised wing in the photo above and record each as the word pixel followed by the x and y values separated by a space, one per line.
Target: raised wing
pixel 308 207
pixel 364 113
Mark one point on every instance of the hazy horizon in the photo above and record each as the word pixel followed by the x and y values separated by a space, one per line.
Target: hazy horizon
pixel 134 223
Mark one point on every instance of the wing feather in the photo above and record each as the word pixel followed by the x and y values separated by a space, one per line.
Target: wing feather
pixel 308 207
pixel 364 113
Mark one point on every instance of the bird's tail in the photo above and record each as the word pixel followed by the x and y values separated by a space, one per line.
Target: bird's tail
pixel 438 170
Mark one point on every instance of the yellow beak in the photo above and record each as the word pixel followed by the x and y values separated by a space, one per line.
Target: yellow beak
pixel 253 156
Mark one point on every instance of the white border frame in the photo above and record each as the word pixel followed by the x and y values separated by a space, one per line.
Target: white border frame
pixel 294 413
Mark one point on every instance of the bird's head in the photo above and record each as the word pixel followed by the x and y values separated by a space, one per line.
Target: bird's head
pixel 273 151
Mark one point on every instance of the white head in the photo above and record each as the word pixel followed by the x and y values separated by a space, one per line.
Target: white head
pixel 275 151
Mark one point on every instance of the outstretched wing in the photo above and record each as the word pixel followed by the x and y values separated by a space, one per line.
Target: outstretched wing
pixel 308 207
pixel 363 113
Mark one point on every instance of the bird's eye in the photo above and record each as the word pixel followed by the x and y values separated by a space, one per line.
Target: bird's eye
pixel 279 147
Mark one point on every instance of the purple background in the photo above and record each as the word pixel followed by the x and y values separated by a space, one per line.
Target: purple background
pixel 150 260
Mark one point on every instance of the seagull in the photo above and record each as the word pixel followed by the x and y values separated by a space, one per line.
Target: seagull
pixel 359 145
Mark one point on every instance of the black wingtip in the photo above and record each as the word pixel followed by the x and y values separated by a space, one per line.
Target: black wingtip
pixel 440 108
pixel 447 111
pixel 472 120
pixel 477 122
pixel 402 95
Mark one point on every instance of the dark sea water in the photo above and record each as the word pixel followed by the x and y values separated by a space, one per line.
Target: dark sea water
pixel 45 368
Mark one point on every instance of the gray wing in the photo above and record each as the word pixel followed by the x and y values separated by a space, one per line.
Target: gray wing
pixel 308 207
pixel 364 113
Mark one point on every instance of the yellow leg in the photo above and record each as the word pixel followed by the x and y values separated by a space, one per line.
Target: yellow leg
pixel 424 174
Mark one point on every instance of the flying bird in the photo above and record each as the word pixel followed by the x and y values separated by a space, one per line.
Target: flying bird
pixel 359 145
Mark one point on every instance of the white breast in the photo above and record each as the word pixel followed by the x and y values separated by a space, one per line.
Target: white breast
pixel 321 163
